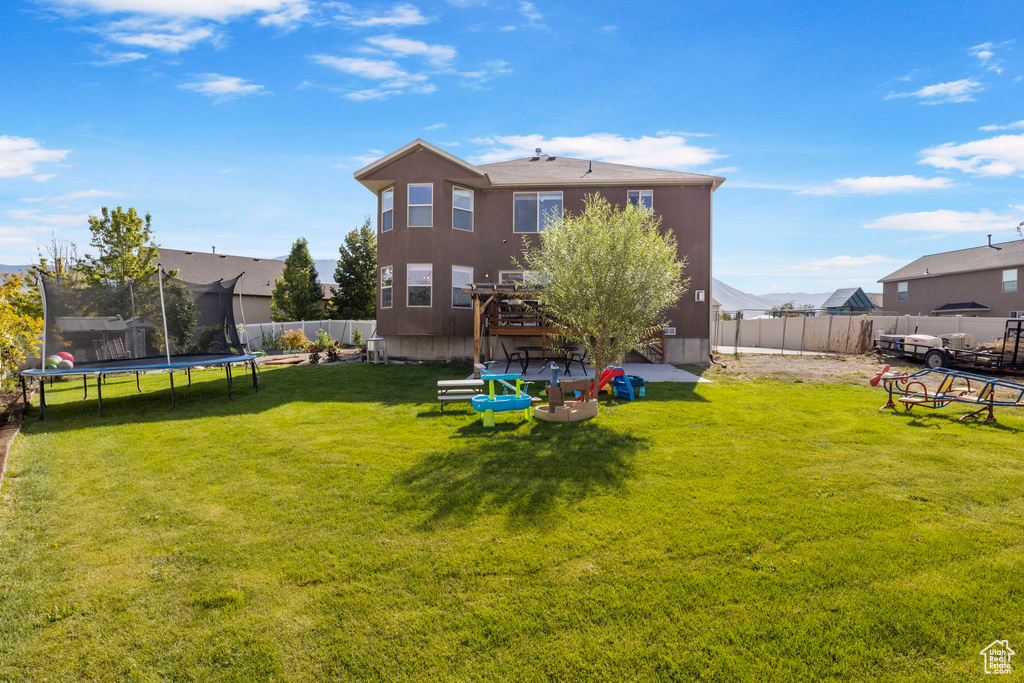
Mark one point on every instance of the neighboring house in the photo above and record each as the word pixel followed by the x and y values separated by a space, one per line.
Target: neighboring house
pixel 445 224
pixel 254 288
pixel 976 281
pixel 848 300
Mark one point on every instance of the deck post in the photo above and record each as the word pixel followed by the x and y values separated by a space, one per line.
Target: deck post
pixel 476 328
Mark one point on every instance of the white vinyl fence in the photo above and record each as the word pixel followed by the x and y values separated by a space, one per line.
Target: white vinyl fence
pixel 844 333
pixel 339 329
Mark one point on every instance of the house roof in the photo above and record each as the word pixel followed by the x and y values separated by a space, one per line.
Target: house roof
pixel 541 170
pixel 999 255
pixel 203 267
pixel 964 306
pixel 876 298
pixel 854 296
pixel 546 169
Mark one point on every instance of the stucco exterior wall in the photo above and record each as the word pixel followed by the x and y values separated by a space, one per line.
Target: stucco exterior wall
pixel 926 294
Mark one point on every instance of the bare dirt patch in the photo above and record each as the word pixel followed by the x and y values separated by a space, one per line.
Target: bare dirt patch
pixel 852 369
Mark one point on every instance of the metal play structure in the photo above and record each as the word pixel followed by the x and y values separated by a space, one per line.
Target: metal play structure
pixel 942 387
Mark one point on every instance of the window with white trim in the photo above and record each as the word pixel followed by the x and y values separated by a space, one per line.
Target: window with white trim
pixel 421 205
pixel 641 197
pixel 1010 280
pixel 462 209
pixel 387 209
pixel 462 276
pixel 515 277
pixel 532 210
pixel 902 291
pixel 386 282
pixel 419 286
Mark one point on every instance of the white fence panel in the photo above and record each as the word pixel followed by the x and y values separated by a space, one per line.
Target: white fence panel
pixel 339 329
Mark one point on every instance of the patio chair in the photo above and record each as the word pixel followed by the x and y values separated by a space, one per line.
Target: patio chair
pixel 575 356
pixel 516 356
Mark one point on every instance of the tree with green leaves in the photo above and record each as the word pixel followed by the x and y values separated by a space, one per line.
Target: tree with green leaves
pixel 126 247
pixel 607 277
pixel 355 297
pixel 297 293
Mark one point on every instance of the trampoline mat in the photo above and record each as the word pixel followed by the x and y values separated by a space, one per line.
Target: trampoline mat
pixel 143 364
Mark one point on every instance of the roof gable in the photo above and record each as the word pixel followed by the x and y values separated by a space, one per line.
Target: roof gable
pixel 854 296
pixel 1000 255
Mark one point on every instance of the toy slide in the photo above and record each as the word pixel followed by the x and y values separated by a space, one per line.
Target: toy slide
pixel 616 382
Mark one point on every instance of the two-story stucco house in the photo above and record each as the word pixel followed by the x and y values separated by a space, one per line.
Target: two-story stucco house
pixel 977 281
pixel 444 224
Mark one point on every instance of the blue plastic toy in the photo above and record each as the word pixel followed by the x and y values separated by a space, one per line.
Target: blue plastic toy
pixel 629 387
pixel 492 403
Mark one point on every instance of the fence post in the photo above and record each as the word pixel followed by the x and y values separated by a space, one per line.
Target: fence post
pixel 803 329
pixel 828 338
pixel 784 319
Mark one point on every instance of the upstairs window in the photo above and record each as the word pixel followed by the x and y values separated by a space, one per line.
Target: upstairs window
pixel 387 209
pixel 1010 280
pixel 902 293
pixel 419 284
pixel 533 209
pixel 641 197
pixel 516 277
pixel 462 276
pixel 462 209
pixel 421 205
pixel 386 281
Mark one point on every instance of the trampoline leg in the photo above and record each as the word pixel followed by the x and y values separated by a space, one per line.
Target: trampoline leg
pixel 188 371
pixel 85 387
pixel 42 399
pixel 24 393
pixel 227 372
pixel 255 384
pixel 137 385
pixel 173 399
pixel 99 394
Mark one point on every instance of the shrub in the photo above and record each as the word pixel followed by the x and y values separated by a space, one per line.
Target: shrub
pixel 323 339
pixel 314 354
pixel 294 339
pixel 334 352
pixel 357 337
pixel 272 340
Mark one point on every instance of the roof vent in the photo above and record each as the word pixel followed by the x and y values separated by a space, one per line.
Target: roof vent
pixel 537 151
pixel 213 249
pixel 222 255
pixel 189 253
pixel 992 245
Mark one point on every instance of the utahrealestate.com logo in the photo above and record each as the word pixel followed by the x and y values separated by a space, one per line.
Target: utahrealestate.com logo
pixel 997 657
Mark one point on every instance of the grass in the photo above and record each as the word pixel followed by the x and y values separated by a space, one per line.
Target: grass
pixel 336 527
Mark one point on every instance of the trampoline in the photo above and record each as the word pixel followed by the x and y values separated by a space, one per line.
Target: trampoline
pixel 164 324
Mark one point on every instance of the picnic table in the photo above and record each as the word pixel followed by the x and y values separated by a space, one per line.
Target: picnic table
pixel 564 355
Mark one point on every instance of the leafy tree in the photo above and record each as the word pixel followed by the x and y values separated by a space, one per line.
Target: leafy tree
pixel 297 294
pixel 355 298
pixel 126 247
pixel 607 276
pixel 20 324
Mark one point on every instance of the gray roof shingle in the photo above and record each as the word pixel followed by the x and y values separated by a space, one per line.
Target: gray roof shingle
pixel 552 169
pixel 1001 255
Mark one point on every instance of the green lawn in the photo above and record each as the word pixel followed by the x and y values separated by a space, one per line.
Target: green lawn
pixel 336 527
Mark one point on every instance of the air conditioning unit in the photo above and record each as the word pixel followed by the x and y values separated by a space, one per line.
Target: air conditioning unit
pixel 958 340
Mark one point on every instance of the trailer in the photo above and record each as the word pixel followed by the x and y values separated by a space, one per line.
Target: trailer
pixel 934 353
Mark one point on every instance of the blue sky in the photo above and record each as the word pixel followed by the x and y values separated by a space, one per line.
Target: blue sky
pixel 854 136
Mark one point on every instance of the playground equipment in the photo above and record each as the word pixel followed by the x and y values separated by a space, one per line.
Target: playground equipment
pixel 617 383
pixel 953 386
pixel 558 409
pixel 490 403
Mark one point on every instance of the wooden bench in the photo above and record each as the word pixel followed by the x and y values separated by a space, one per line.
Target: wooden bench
pixel 458 390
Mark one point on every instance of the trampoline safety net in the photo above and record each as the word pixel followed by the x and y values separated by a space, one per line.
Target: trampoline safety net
pixel 123 321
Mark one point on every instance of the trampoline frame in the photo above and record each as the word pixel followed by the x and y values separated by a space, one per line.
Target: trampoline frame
pixel 101 373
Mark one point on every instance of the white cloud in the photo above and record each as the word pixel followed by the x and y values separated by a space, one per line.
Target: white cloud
pixel 165 37
pixel 438 55
pixel 945 221
pixel 724 169
pixel 72 196
pixel 288 16
pixel 532 15
pixel 880 185
pixel 486 72
pixel 507 28
pixel 663 151
pixel 999 156
pixel 844 262
pixel 435 126
pixel 224 88
pixel 941 93
pixel 43 177
pixel 49 221
pixel 115 58
pixel 217 10
pixel 1016 125
pixel 20 156
pixel 985 52
pixel 400 15
pixel 394 79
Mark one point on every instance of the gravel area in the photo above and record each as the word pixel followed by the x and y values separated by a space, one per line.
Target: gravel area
pixel 828 369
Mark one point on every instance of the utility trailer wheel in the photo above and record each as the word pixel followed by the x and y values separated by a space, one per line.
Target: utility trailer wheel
pixel 935 359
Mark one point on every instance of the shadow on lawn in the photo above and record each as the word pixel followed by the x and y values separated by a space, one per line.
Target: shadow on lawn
pixel 530 477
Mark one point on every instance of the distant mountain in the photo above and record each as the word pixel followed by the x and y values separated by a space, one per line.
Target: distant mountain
pixel 325 268
pixel 733 299
pixel 12 269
